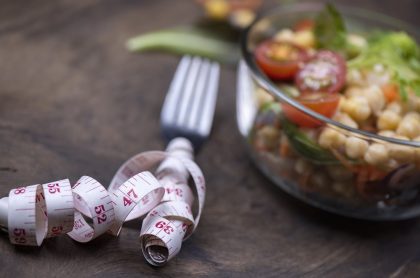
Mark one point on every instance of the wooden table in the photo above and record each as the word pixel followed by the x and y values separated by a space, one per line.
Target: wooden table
pixel 73 101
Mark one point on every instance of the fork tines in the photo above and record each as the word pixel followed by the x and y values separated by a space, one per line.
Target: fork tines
pixel 190 103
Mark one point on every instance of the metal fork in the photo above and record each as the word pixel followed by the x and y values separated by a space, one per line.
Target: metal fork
pixel 186 117
pixel 190 102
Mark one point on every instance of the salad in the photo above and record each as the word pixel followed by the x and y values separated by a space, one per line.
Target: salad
pixel 367 81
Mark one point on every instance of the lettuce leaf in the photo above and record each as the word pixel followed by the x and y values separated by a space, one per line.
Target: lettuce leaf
pixel 398 53
pixel 305 146
pixel 330 30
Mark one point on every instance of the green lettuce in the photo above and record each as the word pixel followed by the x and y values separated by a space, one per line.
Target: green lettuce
pixel 305 146
pixel 398 53
pixel 330 30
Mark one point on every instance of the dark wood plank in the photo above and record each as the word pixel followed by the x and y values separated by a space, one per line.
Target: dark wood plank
pixel 73 101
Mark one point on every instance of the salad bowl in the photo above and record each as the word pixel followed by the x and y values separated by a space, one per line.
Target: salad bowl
pixel 328 104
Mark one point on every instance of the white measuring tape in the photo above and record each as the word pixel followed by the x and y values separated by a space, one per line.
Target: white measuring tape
pixel 85 211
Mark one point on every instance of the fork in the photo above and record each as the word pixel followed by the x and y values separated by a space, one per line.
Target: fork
pixel 189 105
pixel 186 119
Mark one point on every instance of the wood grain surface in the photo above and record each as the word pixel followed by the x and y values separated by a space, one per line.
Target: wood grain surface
pixel 73 101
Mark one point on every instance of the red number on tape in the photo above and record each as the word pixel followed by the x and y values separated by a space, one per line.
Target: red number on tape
pixel 160 224
pixel 131 191
pixel 89 235
pixel 20 190
pixel 78 224
pixel 166 228
pixel 101 218
pixel 20 240
pixel 19 232
pixel 99 209
pixel 20 235
pixel 127 201
pixel 177 191
pixel 57 230
pixel 53 188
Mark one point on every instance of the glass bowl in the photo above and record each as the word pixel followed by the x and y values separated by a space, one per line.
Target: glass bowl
pixel 322 177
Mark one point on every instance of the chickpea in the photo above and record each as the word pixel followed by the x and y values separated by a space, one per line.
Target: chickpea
pixel 263 97
pixel 395 107
pixel 391 165
pixel 373 95
pixel 304 39
pixel 399 152
pixel 354 77
pixel 388 120
pixel 357 107
pixel 285 35
pixel 302 166
pixel 409 125
pixel 412 104
pixel 354 91
pixel 331 138
pixel 387 133
pixel 345 119
pixel 356 147
pixel 342 102
pixel 375 98
pixel 267 138
pixel 413 115
pixel 376 154
pixel 379 76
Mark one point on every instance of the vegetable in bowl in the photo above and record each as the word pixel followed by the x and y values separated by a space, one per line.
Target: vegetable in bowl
pixel 365 81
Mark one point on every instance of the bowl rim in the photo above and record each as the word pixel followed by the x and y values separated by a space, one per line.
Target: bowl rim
pixel 272 88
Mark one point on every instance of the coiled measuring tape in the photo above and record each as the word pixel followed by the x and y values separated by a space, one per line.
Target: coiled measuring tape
pixel 86 210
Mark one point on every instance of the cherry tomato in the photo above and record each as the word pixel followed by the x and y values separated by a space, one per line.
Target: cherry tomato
pixel 303 25
pixel 324 72
pixel 323 103
pixel 280 60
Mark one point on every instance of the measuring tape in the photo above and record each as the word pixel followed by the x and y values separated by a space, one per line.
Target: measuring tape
pixel 87 210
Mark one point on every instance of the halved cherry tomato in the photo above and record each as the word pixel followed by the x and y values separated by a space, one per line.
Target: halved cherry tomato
pixel 324 72
pixel 303 25
pixel 323 103
pixel 280 60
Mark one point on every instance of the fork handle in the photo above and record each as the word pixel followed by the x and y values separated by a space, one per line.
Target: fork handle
pixel 178 147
